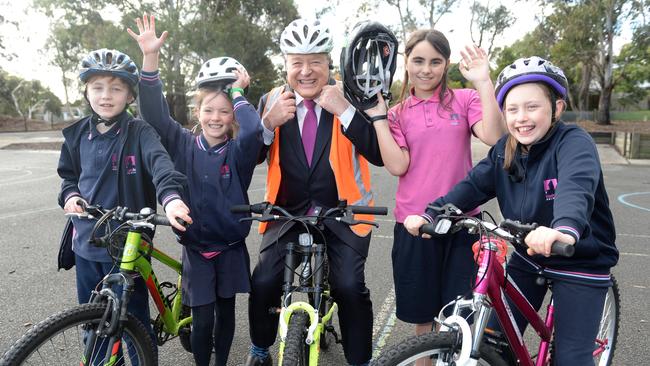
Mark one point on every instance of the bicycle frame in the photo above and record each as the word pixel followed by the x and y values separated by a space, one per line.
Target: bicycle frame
pixel 133 262
pixel 316 321
pixel 490 282
pixel 169 313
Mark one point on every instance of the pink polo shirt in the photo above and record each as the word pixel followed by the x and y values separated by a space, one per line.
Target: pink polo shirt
pixel 438 141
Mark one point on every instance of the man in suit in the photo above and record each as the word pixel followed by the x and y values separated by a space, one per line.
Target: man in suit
pixel 324 145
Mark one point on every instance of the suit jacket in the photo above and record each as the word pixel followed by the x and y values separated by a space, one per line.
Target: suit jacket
pixel 303 186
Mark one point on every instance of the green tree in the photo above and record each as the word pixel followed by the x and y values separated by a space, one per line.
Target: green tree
pixel 488 24
pixel 632 80
pixel 411 14
pixel 199 29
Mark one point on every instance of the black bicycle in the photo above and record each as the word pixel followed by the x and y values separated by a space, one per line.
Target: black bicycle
pixel 304 325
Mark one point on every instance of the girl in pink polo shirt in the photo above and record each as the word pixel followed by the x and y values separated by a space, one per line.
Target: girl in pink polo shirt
pixel 425 141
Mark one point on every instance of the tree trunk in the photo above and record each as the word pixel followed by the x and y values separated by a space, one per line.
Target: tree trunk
pixel 604 101
pixel 583 91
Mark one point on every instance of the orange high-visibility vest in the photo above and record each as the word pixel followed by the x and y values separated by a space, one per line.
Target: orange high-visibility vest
pixel 350 169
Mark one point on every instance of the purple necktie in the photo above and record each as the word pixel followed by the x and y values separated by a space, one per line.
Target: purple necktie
pixel 309 130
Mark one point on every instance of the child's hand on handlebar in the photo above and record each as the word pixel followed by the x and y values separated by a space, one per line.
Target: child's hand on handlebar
pixel 540 240
pixel 413 223
pixel 75 204
pixel 177 209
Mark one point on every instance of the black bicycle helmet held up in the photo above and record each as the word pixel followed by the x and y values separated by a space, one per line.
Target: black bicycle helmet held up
pixel 368 64
pixel 109 62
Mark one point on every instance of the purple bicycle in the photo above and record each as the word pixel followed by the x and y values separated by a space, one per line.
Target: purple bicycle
pixel 459 343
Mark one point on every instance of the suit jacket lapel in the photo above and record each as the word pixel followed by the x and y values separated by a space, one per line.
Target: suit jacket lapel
pixel 292 133
pixel 323 137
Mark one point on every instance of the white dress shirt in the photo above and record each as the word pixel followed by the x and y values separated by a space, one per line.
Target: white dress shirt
pixel 345 118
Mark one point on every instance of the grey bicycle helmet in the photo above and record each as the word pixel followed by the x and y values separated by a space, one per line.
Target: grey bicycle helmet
pixel 218 72
pixel 109 62
pixel 304 37
pixel 368 64
pixel 527 70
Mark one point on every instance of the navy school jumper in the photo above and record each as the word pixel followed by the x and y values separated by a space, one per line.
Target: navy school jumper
pixel 230 165
pixel 144 170
pixel 559 184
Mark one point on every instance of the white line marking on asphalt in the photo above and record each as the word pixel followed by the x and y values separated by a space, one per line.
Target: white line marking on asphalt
pixel 383 236
pixel 639 286
pixel 622 200
pixel 384 323
pixel 29 212
pixel 14 171
pixel 635 235
pixel 29 180
pixel 635 254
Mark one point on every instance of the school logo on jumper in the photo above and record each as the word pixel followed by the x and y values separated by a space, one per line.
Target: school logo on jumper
pixel 114 162
pixel 129 162
pixel 454 119
pixel 225 171
pixel 549 188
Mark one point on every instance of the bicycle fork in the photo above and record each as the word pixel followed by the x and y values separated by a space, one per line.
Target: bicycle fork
pixel 114 316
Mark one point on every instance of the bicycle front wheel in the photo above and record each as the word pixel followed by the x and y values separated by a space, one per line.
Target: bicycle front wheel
pixel 442 347
pixel 60 340
pixel 296 351
pixel 608 331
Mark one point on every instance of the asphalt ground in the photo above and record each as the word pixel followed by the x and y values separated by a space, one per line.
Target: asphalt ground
pixel 31 223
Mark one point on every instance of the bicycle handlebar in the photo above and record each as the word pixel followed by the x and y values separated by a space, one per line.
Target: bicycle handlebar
pixel 344 212
pixel 146 215
pixel 509 230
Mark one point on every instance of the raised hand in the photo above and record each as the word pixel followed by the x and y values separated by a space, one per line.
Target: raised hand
pixel 281 112
pixel 147 40
pixel 331 99
pixel 243 80
pixel 475 65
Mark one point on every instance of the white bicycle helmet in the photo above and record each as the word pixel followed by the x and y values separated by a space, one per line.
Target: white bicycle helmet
pixel 109 62
pixel 304 36
pixel 218 72
pixel 527 70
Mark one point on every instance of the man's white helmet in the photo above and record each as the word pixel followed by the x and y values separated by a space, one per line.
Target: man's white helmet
pixel 218 71
pixel 304 36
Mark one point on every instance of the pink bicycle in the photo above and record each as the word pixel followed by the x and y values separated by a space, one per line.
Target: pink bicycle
pixel 458 343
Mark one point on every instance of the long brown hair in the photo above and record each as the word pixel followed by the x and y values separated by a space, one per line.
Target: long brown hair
pixel 439 42
pixel 511 142
pixel 199 98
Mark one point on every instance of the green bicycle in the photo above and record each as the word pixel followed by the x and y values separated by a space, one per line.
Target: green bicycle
pixel 305 326
pixel 96 333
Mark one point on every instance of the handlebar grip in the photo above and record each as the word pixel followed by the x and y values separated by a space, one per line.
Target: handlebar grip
pixel 161 220
pixel 562 249
pixel 428 229
pixel 240 209
pixel 376 210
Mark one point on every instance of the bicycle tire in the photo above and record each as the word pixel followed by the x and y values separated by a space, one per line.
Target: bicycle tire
pixel 327 336
pixel 296 351
pixel 185 333
pixel 429 345
pixel 609 323
pixel 59 339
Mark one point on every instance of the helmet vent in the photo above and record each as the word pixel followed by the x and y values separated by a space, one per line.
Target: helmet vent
pixel 323 41
pixel 305 30
pixel 223 61
pixel 314 37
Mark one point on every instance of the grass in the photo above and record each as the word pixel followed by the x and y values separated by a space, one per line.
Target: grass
pixel 631 116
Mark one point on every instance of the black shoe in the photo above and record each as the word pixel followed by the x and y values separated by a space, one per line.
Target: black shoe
pixel 253 360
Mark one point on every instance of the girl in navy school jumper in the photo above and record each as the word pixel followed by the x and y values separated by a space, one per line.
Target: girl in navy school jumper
pixel 216 264
pixel 547 172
